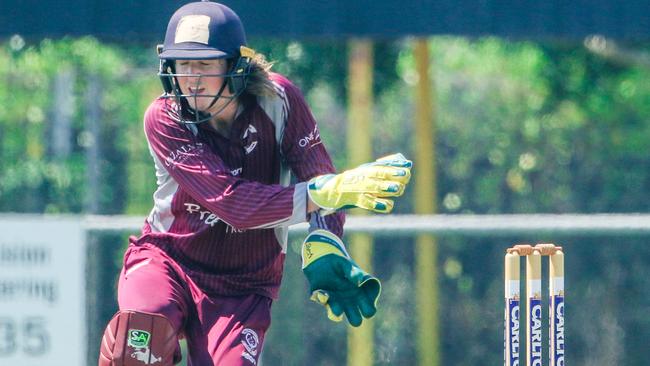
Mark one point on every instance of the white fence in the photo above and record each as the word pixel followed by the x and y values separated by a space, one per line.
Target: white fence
pixel 32 335
pixel 598 224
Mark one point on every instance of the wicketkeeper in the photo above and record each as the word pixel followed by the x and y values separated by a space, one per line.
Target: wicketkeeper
pixel 225 137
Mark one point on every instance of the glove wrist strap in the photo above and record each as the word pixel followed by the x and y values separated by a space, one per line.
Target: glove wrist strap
pixel 320 243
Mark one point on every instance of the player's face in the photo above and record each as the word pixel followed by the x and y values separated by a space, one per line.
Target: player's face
pixel 204 87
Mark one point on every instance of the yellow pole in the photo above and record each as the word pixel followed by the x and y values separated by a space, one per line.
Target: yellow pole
pixel 359 142
pixel 426 282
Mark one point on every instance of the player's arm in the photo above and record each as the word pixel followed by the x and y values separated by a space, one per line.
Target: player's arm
pixel 335 280
pixel 369 186
pixel 241 203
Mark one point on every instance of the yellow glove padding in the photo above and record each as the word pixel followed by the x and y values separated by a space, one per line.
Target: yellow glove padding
pixel 365 186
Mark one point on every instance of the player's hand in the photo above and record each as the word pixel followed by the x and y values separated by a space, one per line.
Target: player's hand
pixel 335 281
pixel 365 186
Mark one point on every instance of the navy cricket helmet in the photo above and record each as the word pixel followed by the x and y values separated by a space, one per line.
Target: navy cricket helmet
pixel 204 30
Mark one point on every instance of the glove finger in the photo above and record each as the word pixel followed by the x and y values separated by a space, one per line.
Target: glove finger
pixel 378 187
pixel 382 205
pixel 397 160
pixel 367 306
pixel 319 296
pixel 370 290
pixel 391 189
pixel 373 203
pixel 334 310
pixel 332 316
pixel 367 202
pixel 353 314
pixel 393 174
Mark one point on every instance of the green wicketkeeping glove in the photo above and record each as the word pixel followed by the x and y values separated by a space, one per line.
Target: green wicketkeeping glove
pixel 335 281
pixel 364 186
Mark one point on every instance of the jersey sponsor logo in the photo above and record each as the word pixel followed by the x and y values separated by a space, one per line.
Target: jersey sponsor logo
pixel 312 139
pixel 249 140
pixel 249 149
pixel 249 130
pixel 208 217
pixel 183 153
pixel 250 341
pixel 237 171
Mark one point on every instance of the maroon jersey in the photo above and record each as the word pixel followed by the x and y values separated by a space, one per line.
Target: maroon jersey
pixel 220 210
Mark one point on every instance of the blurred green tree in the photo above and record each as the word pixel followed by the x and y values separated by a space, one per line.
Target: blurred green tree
pixel 523 127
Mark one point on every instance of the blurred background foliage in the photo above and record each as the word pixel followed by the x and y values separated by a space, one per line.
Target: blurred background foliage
pixel 522 127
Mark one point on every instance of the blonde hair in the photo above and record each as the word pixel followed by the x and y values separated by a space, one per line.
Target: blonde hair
pixel 259 83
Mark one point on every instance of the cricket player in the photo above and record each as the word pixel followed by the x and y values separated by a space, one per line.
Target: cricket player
pixel 224 137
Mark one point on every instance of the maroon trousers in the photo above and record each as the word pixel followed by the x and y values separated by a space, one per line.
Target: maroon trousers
pixel 219 330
